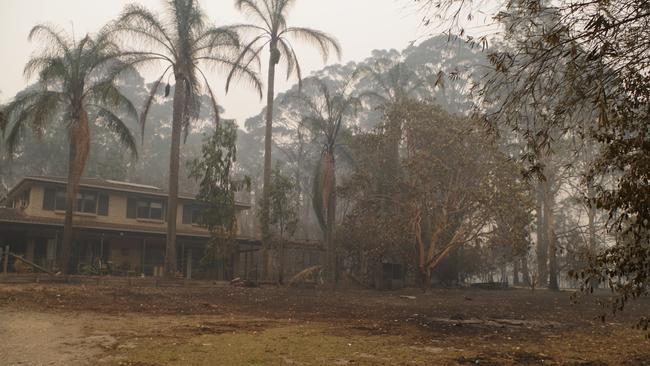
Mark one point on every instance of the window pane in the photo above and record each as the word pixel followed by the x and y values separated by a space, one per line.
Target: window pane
pixel 89 202
pixel 143 212
pixel 80 203
pixel 196 215
pixel 102 204
pixel 90 205
pixel 156 210
pixel 49 199
pixel 60 200
pixel 156 213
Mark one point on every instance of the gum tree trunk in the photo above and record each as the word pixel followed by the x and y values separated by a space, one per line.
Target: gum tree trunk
pixel 542 248
pixel 549 206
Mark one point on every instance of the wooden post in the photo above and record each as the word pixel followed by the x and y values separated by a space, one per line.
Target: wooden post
pixel 5 261
pixel 188 263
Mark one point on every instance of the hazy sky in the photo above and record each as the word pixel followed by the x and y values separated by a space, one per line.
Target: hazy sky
pixel 360 26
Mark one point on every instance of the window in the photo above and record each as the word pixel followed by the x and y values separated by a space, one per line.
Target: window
pixel 87 201
pixel 192 214
pixel 145 208
pixel 22 201
pixel 60 200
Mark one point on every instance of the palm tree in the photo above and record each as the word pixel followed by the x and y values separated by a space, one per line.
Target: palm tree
pixel 182 41
pixel 328 108
pixel 274 32
pixel 76 85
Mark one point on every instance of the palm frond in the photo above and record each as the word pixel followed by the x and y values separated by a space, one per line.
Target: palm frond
pixel 149 100
pixel 237 70
pixel 48 67
pixel 246 51
pixel 288 56
pixel 250 7
pixel 145 25
pixel 14 137
pixel 213 100
pixel 296 63
pixel 322 40
pixel 217 39
pixel 52 36
pixel 107 94
pixel 119 128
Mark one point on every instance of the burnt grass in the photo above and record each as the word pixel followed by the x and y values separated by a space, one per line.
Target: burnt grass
pixel 495 327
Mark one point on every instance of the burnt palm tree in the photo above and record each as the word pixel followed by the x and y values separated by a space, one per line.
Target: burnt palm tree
pixel 76 88
pixel 274 32
pixel 182 41
pixel 328 111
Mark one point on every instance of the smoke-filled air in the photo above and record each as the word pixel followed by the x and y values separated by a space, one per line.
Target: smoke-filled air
pixel 303 182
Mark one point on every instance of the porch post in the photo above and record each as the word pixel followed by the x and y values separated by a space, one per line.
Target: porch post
pixel 142 254
pixel 188 271
pixel 5 260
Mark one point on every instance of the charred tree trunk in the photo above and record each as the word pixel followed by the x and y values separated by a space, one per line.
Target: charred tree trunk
pixel 526 273
pixel 542 246
pixel 515 272
pixel 427 239
pixel 591 215
pixel 549 206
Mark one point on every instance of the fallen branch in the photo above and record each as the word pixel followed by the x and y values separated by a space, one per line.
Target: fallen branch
pixel 302 276
pixel 32 264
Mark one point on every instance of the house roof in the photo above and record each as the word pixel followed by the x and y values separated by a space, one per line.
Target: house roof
pixel 110 185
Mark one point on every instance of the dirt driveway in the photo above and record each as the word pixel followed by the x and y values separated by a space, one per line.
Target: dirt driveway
pixel 89 325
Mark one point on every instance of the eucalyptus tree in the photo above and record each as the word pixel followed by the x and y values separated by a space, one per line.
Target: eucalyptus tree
pixel 76 87
pixel 329 110
pixel 274 32
pixel 389 82
pixel 181 41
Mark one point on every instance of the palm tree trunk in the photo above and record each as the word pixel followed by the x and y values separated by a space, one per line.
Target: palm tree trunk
pixel 174 157
pixel 78 154
pixel 268 143
pixel 70 195
pixel 331 255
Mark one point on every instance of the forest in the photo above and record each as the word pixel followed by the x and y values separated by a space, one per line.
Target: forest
pixel 517 160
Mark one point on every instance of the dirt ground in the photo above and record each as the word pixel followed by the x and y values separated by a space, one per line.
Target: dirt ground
pixel 128 326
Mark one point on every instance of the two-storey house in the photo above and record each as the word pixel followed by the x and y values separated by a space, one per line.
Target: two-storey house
pixel 121 225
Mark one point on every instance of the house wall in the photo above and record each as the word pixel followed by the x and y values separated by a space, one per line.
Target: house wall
pixel 116 212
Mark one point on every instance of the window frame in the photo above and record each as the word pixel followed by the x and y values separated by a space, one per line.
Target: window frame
pixel 142 208
pixel 87 201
